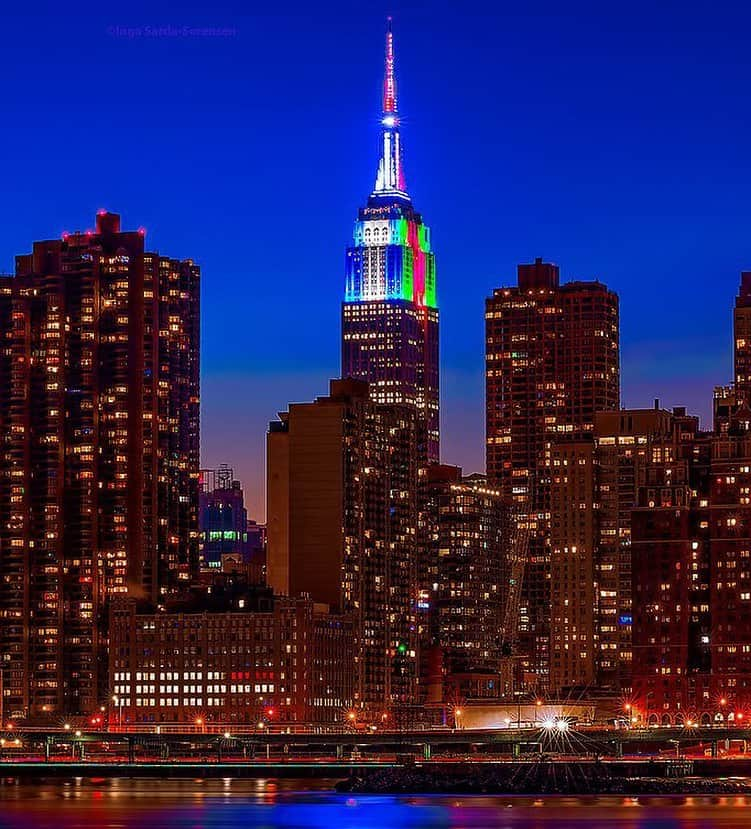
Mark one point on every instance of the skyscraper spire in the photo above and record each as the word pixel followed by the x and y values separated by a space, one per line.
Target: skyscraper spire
pixel 390 179
pixel 389 81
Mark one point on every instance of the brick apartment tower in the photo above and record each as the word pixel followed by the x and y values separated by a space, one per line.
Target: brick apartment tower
pixel 627 442
pixel 552 361
pixel 691 535
pixel 342 527
pixel 99 415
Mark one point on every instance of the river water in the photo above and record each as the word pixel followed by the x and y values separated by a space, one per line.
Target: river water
pixel 220 804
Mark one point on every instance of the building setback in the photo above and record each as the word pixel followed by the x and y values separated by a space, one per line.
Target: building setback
pixel 390 311
pixel 99 412
pixel 342 527
pixel 250 659
pixel 552 361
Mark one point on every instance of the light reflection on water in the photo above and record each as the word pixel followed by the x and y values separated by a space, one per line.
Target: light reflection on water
pixel 293 804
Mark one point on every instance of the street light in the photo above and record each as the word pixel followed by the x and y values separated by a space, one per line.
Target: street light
pixel 119 705
pixel 457 717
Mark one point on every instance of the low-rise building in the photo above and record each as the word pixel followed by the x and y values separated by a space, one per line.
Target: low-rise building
pixel 239 657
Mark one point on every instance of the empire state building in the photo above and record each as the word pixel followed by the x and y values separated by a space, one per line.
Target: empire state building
pixel 390 312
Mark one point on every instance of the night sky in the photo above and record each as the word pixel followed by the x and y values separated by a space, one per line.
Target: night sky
pixel 610 138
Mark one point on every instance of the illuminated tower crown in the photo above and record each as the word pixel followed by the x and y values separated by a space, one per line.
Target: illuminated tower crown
pixel 390 314
pixel 391 257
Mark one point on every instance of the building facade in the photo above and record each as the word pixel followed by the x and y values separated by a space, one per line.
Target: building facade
pixel 692 580
pixel 390 310
pixel 227 536
pixel 626 443
pixel 99 407
pixel 246 660
pixel 691 561
pixel 673 601
pixel 342 527
pixel 467 551
pixel 595 485
pixel 573 556
pixel 552 361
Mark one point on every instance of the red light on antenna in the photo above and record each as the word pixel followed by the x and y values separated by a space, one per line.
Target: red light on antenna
pixel 142 231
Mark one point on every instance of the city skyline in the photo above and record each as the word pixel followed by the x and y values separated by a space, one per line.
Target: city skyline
pixel 683 243
pixel 533 570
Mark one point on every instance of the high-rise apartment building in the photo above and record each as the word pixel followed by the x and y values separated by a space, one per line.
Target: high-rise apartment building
pixel 552 361
pixel 595 487
pixel 390 311
pixel 573 588
pixel 467 552
pixel 626 442
pixel 99 408
pixel 692 580
pixel 342 527
pixel 673 598
pixel 691 559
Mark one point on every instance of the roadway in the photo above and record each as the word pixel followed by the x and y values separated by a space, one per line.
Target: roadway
pixel 564 740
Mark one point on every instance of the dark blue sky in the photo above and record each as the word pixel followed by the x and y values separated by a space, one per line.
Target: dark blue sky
pixel 610 138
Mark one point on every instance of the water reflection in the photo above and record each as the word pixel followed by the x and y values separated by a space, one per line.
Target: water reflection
pixel 289 804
